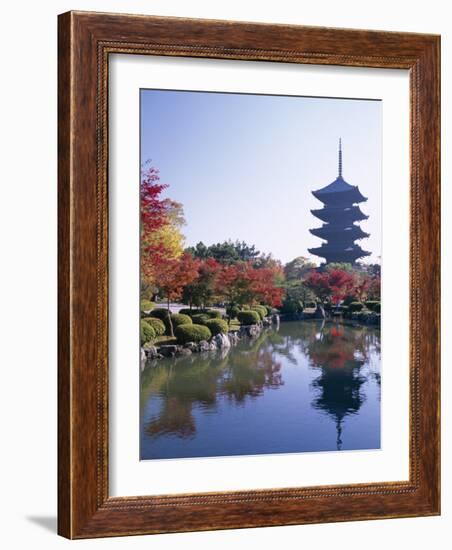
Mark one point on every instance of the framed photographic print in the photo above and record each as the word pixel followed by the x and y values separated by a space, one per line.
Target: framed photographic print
pixel 248 275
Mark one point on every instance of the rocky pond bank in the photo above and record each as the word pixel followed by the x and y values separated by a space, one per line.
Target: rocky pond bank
pixel 220 341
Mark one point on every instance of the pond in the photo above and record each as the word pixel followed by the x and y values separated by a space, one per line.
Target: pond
pixel 303 387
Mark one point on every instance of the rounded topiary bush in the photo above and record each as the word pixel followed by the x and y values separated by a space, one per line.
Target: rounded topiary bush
pixel 200 318
pixel 147 333
pixel 261 310
pixel 180 319
pixel 349 299
pixel 355 306
pixel 160 313
pixel 248 317
pixel 192 333
pixel 214 314
pixel 216 326
pixel 373 305
pixel 187 311
pixel 146 305
pixel 291 306
pixel 157 324
pixel 232 311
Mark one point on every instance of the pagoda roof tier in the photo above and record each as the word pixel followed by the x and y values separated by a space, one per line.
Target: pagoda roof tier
pixel 340 214
pixel 329 231
pixel 339 253
pixel 339 192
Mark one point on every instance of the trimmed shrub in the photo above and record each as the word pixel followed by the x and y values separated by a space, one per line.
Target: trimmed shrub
pixel 355 306
pixel 146 305
pixel 248 317
pixel 216 326
pixel 262 310
pixel 373 305
pixel 214 314
pixel 192 333
pixel 180 319
pixel 349 299
pixel 291 306
pixel 147 333
pixel 160 313
pixel 157 324
pixel 200 318
pixel 211 313
pixel 232 311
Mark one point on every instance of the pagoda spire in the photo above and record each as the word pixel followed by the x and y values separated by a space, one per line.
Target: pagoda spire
pixel 340 157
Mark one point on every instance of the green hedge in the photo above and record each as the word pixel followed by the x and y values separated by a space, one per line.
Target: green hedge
pixel 146 305
pixel 160 313
pixel 157 324
pixel 214 314
pixel 232 311
pixel 147 333
pixel 180 319
pixel 192 333
pixel 261 310
pixel 291 306
pixel 211 313
pixel 248 317
pixel 216 326
pixel 200 318
pixel 355 306
pixel 373 305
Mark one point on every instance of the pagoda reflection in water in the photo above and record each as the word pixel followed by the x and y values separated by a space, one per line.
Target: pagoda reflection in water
pixel 301 388
pixel 339 214
pixel 339 358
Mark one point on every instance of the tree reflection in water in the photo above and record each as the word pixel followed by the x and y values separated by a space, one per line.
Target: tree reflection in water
pixel 266 394
pixel 200 380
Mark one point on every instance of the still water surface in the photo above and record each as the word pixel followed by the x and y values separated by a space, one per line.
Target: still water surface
pixel 304 387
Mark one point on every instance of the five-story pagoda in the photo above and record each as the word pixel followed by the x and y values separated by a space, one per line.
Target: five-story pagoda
pixel 340 212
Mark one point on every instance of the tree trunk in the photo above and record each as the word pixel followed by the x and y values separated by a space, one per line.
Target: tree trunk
pixel 170 322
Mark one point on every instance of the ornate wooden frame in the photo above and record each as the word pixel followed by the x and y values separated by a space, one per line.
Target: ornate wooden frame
pixel 85 42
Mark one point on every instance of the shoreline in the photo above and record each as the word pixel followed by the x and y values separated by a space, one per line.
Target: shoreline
pixel 224 342
pixel 218 342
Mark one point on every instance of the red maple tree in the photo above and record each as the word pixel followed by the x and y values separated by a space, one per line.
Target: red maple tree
pixel 341 284
pixel 173 275
pixel 332 285
pixel 241 283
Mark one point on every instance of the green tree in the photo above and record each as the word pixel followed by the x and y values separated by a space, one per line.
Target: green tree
pixel 296 297
pixel 227 252
pixel 298 268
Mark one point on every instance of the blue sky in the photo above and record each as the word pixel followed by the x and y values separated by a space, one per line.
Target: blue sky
pixel 244 166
